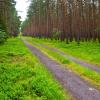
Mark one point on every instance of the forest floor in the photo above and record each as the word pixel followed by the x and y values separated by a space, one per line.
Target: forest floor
pixel 24 77
pixel 85 72
pixel 72 58
pixel 86 51
pixel 69 77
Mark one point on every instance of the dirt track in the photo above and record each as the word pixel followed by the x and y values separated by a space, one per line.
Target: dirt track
pixel 80 89
pixel 78 61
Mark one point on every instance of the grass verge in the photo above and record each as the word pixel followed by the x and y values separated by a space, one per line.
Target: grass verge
pixel 86 51
pixel 23 77
pixel 87 74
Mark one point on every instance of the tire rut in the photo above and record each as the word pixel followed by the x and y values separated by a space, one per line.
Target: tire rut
pixel 78 61
pixel 80 89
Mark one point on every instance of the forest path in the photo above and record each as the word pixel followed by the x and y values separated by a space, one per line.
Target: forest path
pixel 74 59
pixel 80 89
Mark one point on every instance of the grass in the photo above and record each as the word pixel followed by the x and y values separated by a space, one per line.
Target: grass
pixel 23 77
pixel 87 51
pixel 87 74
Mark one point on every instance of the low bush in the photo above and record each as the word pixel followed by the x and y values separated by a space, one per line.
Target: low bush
pixel 3 36
pixel 3 30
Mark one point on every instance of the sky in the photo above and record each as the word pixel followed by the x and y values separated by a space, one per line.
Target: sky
pixel 22 6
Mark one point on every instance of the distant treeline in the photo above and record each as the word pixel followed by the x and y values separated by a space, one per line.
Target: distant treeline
pixel 66 20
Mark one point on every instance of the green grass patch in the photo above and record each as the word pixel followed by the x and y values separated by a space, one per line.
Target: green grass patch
pixel 23 77
pixel 87 74
pixel 87 51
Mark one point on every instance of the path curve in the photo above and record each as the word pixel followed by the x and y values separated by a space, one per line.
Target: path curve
pixel 78 61
pixel 80 89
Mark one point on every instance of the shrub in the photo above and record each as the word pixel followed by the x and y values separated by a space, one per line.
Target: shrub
pixel 3 30
pixel 56 33
pixel 3 36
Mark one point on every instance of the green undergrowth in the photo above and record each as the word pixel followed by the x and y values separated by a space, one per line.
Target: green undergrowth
pixel 23 77
pixel 87 51
pixel 87 74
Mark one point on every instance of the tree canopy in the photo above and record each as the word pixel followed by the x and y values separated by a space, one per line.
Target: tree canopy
pixel 9 19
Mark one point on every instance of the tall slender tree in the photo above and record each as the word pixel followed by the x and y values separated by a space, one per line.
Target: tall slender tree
pixel 66 20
